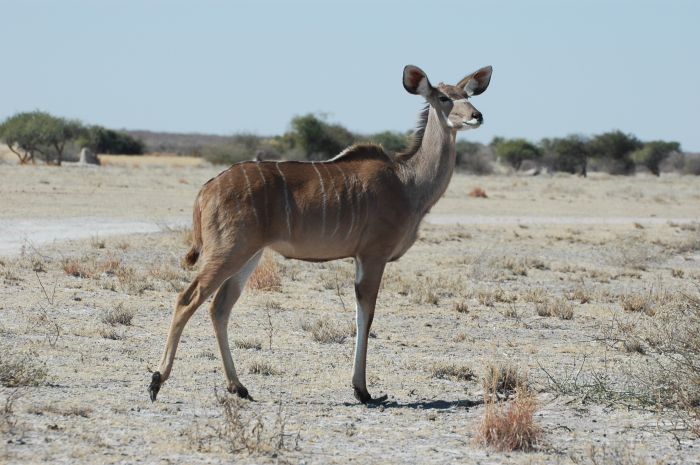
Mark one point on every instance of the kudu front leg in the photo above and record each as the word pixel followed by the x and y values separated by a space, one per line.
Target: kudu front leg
pixel 368 277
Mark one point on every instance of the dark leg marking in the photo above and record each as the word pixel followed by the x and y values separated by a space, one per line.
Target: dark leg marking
pixel 155 386
pixel 365 398
pixel 241 392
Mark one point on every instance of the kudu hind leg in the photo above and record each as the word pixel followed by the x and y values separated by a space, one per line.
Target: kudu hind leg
pixel 220 310
pixel 210 277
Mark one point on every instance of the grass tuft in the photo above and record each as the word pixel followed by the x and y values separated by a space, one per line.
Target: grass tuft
pixel 266 276
pixel 24 369
pixel 510 426
pixel 327 332
pixel 118 316
pixel 442 370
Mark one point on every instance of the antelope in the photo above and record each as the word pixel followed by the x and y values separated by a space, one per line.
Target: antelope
pixel 363 204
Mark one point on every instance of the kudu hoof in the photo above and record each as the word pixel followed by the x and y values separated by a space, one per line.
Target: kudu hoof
pixel 240 391
pixel 155 386
pixel 365 398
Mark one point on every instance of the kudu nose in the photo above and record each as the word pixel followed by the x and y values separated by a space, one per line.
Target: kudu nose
pixel 478 116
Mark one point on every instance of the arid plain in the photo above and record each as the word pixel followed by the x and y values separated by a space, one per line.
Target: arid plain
pixel 586 287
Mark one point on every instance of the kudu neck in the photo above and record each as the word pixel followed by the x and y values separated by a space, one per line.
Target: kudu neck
pixel 427 173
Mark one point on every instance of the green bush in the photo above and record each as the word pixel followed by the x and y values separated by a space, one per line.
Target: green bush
pixel 38 134
pixel 692 164
pixel 653 153
pixel 241 147
pixel 515 151
pixel 614 151
pixel 318 139
pixel 568 154
pixel 473 157
pixel 392 142
pixel 103 140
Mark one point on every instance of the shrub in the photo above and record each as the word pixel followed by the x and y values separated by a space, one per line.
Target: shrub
pixel 318 139
pixel 21 369
pixel 39 134
pixel 240 147
pixel 613 150
pixel 392 142
pixel 653 153
pixel 515 151
pixel 452 371
pixel 118 316
pixel 692 164
pixel 103 140
pixel 568 154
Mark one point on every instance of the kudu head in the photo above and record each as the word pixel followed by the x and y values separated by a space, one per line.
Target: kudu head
pixel 450 102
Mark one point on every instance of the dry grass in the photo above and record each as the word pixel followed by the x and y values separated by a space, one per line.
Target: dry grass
pixel 501 381
pixel 535 295
pixel 248 343
pixel 21 369
pixel 638 303
pixel 260 366
pixel 673 379
pixel 169 274
pixel 461 307
pixel 91 267
pixel 442 370
pixel 489 297
pixel 132 281
pixel 580 294
pixel 118 316
pixel 112 334
pixel 634 253
pixel 68 410
pixel 244 432
pixel 8 397
pixel 560 308
pixel 626 454
pixel 327 332
pixel 510 426
pixel 423 291
pixel 266 276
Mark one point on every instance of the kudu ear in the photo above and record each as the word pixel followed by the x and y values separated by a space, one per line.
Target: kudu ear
pixel 477 82
pixel 416 82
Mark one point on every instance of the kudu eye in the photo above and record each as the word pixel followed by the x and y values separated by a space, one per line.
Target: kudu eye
pixel 444 99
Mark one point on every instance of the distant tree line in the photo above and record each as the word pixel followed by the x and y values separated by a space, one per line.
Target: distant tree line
pixel 311 137
pixel 38 135
pixel 614 152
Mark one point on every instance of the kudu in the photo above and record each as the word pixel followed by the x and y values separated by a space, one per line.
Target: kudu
pixel 363 204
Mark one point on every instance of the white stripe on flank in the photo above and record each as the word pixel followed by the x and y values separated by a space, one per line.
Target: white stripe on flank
pixel 351 205
pixel 323 193
pixel 337 198
pixel 250 194
pixel 262 176
pixel 287 206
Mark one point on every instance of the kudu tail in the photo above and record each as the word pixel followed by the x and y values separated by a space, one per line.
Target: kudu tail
pixel 193 254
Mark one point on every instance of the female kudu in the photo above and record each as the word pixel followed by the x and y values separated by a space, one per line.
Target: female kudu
pixel 363 204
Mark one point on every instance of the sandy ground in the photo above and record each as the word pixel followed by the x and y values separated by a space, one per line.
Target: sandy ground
pixel 585 242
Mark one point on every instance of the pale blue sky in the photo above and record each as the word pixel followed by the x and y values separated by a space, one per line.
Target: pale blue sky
pixel 560 67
